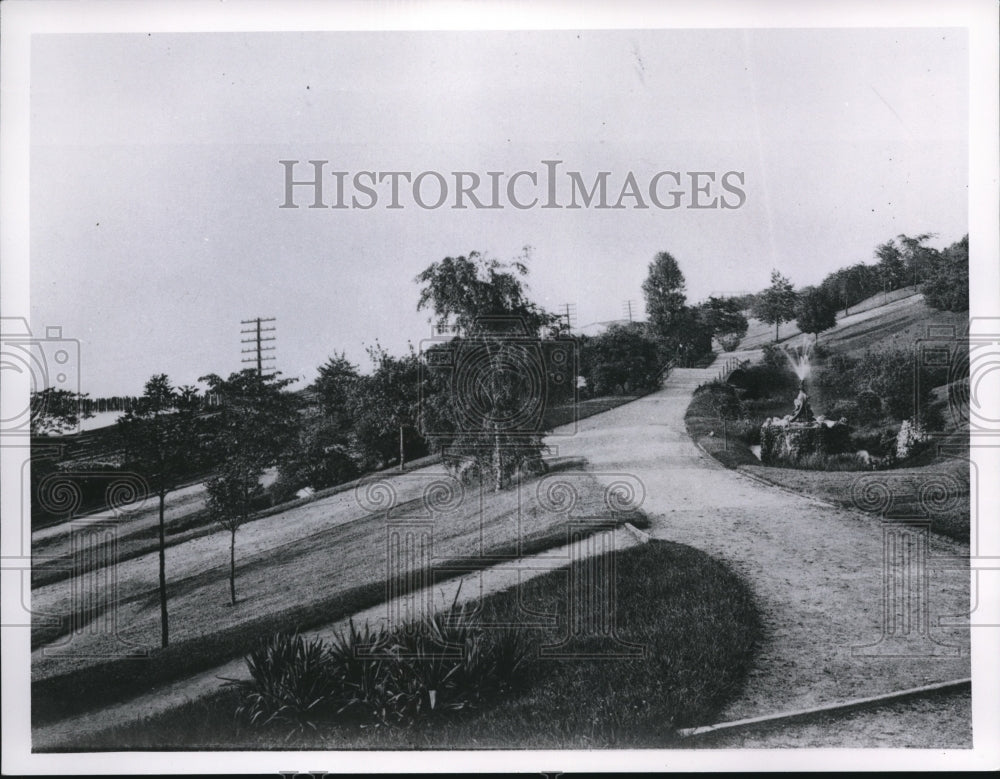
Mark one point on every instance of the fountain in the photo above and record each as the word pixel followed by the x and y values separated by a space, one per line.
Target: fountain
pixel 788 438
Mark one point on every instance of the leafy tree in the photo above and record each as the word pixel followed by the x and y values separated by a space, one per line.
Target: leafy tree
pixel 385 407
pixel 776 304
pixel 57 411
pixel 676 327
pixel 852 284
pixel 815 311
pixel 322 457
pixel 335 387
pixel 257 422
pixel 917 258
pixel 622 356
pixel 475 293
pixel 891 267
pixel 724 318
pixel 160 439
pixel 474 408
pixel 947 284
pixel 664 292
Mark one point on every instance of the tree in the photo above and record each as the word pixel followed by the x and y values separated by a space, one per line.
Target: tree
pixel 891 267
pixel 815 311
pixel 160 441
pixel 664 292
pixel 917 258
pixel 256 424
pixel 323 454
pixel 724 318
pixel 474 401
pixel 677 328
pixel 776 304
pixel 335 388
pixel 622 356
pixel 475 293
pixel 385 408
pixel 57 411
pixel 946 286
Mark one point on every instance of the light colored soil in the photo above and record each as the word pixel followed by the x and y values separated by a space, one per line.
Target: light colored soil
pixel 817 571
pixel 923 723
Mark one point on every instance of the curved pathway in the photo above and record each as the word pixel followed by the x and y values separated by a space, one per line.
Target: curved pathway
pixel 817 571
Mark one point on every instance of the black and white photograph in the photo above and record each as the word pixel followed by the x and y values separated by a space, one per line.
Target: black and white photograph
pixel 503 386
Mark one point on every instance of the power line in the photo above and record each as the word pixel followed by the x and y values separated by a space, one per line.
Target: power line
pixel 257 340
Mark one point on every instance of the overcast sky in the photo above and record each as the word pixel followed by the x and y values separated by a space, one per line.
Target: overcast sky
pixel 155 181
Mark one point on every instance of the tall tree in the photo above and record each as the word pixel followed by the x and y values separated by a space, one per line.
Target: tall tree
pixel 473 406
pixel 256 424
pixel 917 258
pixel 891 267
pixel 335 387
pixel 776 304
pixel 815 311
pixel 160 440
pixel 664 292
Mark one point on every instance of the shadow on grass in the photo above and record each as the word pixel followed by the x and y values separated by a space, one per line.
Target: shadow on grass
pixel 117 679
pixel 692 618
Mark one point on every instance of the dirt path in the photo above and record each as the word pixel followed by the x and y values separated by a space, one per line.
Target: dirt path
pixel 816 570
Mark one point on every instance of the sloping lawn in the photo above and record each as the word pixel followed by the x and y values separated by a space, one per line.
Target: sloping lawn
pixel 303 568
pixel 691 620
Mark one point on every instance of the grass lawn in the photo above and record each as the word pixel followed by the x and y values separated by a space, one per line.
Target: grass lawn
pixel 706 428
pixel 938 493
pixel 692 618
pixel 306 567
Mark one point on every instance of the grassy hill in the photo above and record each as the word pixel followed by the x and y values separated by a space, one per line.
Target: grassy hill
pixel 898 318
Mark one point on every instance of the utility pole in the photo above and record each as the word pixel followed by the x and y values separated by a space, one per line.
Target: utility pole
pixel 257 340
pixel 627 306
pixel 569 313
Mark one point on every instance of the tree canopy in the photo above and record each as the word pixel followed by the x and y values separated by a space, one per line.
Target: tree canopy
pixel 776 304
pixel 475 293
pixel 485 390
pixel 664 292
pixel 946 286
pixel 815 311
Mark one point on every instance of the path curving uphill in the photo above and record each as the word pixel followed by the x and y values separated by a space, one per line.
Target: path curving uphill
pixel 817 571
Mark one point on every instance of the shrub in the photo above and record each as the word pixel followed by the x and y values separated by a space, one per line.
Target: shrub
pixel 760 381
pixel 747 430
pixel 889 374
pixel 836 375
pixel 878 440
pixel 844 409
pixel 290 684
pixel 774 357
pixel 446 662
pixel 729 341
